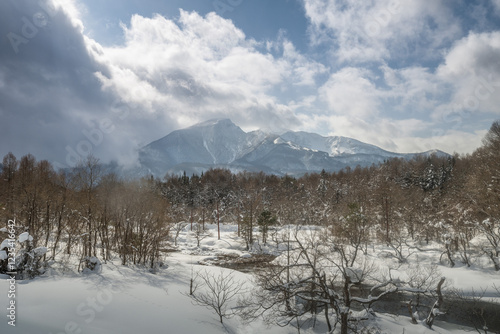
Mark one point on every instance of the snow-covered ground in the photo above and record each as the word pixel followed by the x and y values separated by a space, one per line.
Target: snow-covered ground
pixel 132 300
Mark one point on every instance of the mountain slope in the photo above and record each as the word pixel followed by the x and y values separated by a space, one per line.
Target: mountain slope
pixel 221 143
pixel 288 158
pixel 208 143
pixel 334 145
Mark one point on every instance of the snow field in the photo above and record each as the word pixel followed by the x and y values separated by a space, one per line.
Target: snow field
pixel 132 300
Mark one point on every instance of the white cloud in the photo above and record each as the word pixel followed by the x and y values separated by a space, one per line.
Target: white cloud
pixel 476 53
pixel 72 8
pixel 302 69
pixel 203 67
pixel 413 106
pixel 361 92
pixel 367 31
pixel 351 91
pixel 206 67
pixel 415 90
pixel 448 141
pixel 472 67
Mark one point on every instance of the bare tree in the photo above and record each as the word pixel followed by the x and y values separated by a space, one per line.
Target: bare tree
pixel 87 176
pixel 265 220
pixel 8 181
pixel 218 291
pixel 420 283
pixel 320 274
pixel 199 234
pixel 178 228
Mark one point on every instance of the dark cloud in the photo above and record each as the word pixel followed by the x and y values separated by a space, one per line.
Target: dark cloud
pixel 48 90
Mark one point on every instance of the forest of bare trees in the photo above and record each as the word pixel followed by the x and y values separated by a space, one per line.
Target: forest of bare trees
pixel 93 214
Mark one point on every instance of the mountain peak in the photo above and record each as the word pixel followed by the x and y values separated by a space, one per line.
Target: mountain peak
pixel 214 122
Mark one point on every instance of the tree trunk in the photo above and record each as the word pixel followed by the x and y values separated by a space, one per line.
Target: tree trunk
pixel 218 223
pixel 344 322
pixel 327 318
pixel 410 310
pixel 344 315
pixel 435 308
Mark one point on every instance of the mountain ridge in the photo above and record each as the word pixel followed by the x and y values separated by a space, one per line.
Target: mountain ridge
pixel 219 143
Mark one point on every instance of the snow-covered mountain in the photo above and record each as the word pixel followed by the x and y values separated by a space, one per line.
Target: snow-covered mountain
pixel 334 146
pixel 221 143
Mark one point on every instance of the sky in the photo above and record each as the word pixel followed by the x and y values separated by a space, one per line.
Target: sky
pixel 109 76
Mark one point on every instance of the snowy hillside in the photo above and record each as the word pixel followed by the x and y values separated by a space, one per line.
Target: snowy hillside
pixel 220 143
pixel 209 143
pixel 335 145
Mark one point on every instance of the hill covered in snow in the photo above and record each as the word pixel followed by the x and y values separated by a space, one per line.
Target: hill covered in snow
pixel 220 143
